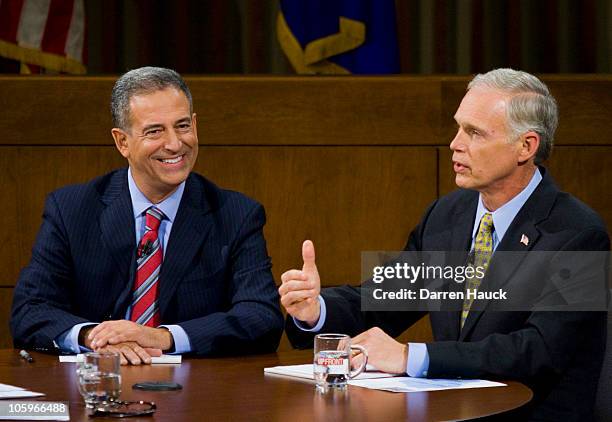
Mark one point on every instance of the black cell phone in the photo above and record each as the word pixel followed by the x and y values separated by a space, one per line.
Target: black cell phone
pixel 157 386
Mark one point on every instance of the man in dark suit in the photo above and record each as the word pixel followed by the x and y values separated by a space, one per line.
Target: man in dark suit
pixel 507 202
pixel 151 258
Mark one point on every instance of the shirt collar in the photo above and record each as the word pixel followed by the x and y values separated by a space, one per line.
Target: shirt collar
pixel 140 203
pixel 504 215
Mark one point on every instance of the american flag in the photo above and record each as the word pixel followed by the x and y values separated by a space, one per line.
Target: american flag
pixel 49 34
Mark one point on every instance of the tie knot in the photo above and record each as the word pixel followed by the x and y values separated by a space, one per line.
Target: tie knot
pixel 486 223
pixel 153 218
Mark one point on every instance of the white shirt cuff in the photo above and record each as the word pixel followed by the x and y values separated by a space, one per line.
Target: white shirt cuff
pixel 68 341
pixel 418 360
pixel 181 340
pixel 302 326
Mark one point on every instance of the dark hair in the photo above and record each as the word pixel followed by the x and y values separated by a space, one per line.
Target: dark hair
pixel 144 80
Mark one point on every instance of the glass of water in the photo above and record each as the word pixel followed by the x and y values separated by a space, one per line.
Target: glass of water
pixel 332 361
pixel 99 377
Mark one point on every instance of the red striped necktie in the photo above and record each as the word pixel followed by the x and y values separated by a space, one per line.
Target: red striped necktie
pixel 145 309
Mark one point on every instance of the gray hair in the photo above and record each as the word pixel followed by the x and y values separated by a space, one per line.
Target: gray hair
pixel 532 108
pixel 144 80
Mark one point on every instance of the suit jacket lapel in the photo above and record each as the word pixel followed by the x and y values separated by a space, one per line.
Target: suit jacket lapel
pixel 501 268
pixel 461 238
pixel 520 238
pixel 463 223
pixel 117 229
pixel 189 230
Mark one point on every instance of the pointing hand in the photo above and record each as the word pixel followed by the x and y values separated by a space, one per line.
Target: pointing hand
pixel 300 289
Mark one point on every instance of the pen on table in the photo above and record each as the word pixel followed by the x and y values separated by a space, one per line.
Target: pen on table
pixel 26 356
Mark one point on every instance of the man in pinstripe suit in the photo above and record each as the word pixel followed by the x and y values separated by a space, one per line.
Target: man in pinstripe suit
pixel 153 258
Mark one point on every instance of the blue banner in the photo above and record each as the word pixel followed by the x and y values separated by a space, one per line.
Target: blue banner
pixel 339 36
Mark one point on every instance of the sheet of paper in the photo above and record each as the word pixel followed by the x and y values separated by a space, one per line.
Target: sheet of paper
pixel 305 371
pixel 154 360
pixel 13 392
pixel 410 385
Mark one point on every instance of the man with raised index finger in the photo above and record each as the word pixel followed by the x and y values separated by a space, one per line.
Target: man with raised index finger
pixel 507 201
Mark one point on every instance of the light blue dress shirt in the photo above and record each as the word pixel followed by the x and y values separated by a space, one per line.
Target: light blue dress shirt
pixel 418 358
pixel 68 341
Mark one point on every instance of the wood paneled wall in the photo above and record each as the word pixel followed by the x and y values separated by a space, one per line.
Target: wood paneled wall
pixel 348 162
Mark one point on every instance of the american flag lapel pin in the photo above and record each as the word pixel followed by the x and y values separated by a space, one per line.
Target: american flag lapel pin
pixel 524 240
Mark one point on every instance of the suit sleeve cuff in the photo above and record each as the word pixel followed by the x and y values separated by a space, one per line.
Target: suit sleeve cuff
pixel 180 338
pixel 418 360
pixel 302 326
pixel 68 341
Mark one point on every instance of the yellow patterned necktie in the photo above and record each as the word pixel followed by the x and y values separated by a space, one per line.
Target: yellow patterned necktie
pixel 483 249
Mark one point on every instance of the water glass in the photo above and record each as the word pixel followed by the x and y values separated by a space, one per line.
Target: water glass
pixel 99 378
pixel 332 361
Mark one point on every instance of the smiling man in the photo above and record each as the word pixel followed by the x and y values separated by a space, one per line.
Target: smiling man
pixel 507 202
pixel 152 258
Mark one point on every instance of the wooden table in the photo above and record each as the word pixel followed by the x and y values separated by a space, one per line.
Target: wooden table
pixel 237 389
